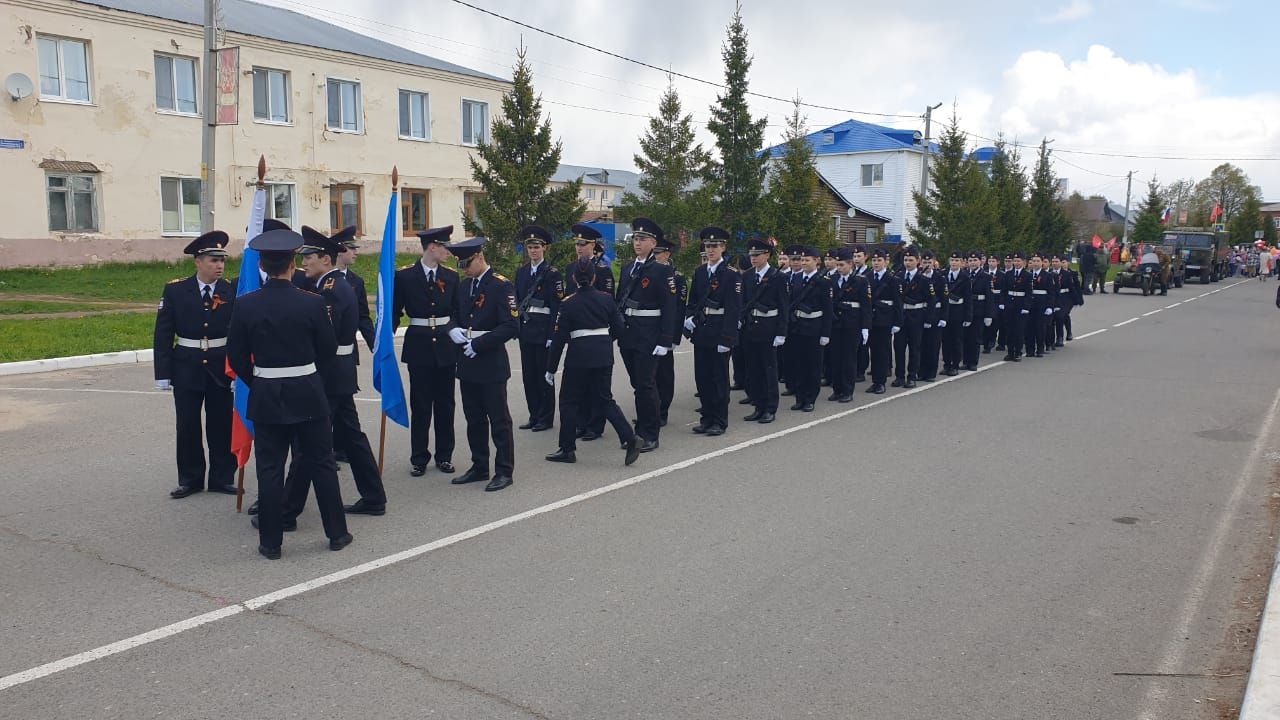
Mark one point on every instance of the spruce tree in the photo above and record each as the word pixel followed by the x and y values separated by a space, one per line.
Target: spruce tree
pixel 741 170
pixel 1147 227
pixel 514 169
pixel 1009 190
pixel 794 210
pixel 1050 228
pixel 960 211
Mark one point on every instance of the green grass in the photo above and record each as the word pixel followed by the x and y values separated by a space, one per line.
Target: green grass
pixel 60 337
pixel 22 307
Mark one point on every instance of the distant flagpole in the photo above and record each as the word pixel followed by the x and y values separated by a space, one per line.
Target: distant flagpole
pixel 386 369
pixel 241 426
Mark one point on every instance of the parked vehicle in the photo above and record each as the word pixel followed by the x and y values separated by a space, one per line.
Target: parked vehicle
pixel 1205 252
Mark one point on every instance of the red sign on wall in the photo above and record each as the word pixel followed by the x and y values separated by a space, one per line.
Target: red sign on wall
pixel 228 100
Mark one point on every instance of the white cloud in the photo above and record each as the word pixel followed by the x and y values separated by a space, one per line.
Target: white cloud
pixel 1077 10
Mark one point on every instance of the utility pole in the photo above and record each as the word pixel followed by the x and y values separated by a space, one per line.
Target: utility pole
pixel 210 68
pixel 924 161
pixel 1128 191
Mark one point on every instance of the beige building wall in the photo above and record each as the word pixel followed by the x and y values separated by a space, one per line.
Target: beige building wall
pixel 122 133
pixel 597 197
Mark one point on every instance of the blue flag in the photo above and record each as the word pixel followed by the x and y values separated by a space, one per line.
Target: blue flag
pixel 386 369
pixel 241 426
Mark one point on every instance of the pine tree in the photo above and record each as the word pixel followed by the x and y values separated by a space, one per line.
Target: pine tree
pixel 960 211
pixel 740 173
pixel 1050 229
pixel 514 170
pixel 794 210
pixel 1009 190
pixel 1247 220
pixel 1147 227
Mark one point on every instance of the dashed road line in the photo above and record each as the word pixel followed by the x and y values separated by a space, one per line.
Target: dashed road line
pixel 1126 322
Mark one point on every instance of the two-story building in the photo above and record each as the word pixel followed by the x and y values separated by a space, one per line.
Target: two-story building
pixel 103 160
pixel 602 188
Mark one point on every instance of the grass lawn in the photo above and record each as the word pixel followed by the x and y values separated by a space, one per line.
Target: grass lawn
pixel 59 337
pixel 22 307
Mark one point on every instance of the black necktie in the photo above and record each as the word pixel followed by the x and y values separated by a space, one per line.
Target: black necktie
pixel 207 295
pixel 431 276
pixel 475 285
pixel 635 269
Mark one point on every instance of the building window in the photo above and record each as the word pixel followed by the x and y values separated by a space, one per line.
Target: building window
pixel 64 69
pixel 415 211
pixel 346 113
pixel 604 195
pixel 835 227
pixel 72 202
pixel 270 95
pixel 176 84
pixel 469 202
pixel 589 193
pixel 180 205
pixel 475 122
pixel 346 207
pixel 873 175
pixel 415 115
pixel 873 235
pixel 280 202
pixel 1276 221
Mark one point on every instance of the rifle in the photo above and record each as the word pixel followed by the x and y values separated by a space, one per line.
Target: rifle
pixel 525 304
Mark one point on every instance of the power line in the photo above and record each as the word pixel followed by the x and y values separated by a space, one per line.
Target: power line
pixel 1132 156
pixel 1094 172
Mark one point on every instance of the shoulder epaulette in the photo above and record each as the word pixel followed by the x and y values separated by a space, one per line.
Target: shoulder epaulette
pixel 175 280
pixel 406 267
pixel 500 276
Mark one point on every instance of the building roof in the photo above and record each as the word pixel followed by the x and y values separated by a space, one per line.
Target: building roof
pixel 1271 207
pixel 855 136
pixel 273 23
pixel 840 196
pixel 629 181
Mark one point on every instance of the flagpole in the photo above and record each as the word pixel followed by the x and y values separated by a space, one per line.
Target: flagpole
pixel 262 184
pixel 382 432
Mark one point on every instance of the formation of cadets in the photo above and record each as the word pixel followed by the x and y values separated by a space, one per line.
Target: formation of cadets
pixel 787 323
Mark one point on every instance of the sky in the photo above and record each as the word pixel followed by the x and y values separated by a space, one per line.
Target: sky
pixel 1184 85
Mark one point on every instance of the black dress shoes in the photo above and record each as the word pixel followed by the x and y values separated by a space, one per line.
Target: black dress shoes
pixel 589 435
pixel 897 382
pixel 562 456
pixel 445 467
pixel 418 470
pixel 860 378
pixel 360 507
pixel 340 542
pixel 224 489
pixel 184 490
pixel 797 405
pixel 788 392
pixel 1070 337
pixel 647 445
pixel 909 384
pixel 633 451
pixel 971 368
pixel 715 430
pixel 807 407
pixel 540 427
pixel 845 398
pixel 285 524
pixel 754 416
pixel 951 372
pixel 526 426
pixel 499 482
pixel 579 433
pixel 253 509
pixel 876 389
pixel 833 397
pixel 745 401
pixel 269 553
pixel 766 418
pixel 473 475
pixel 700 429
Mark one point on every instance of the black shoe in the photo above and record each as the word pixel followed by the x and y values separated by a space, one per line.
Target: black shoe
pixel 897 382
pixel 1000 347
pixel 715 430
pixel 807 407
pixel 1039 354
pixel 833 397
pixel 797 405
pixel 951 372
pixel 540 427
pixel 1009 357
pixel 253 509
pixel 589 435
pixel 700 428
pixel 971 368
pixel 446 467
pixel 826 382
pixel 224 489
pixel 927 380
pixel 876 389
pixel 579 433
pixel 269 553
pixel 1070 337
pixel 1015 358
pixel 788 392
pixel 473 475
pixel 986 351
pixel 736 387
pixel 845 398
pixel 526 426
pixel 562 456
pixel 340 542
pixel 285 524
pixel 360 507
pixel 745 401
pixel 647 445
pixel 418 470
pixel 766 418
pixel 754 416
pixel 698 410
pixel 860 378
pixel 633 451
pixel 1059 344
pixel 909 384
pixel 184 490
pixel 499 482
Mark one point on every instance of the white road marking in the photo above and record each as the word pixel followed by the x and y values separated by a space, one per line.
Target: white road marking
pixel 1126 322
pixel 1170 307
pixel 1190 299
pixel 1153 312
pixel 1089 335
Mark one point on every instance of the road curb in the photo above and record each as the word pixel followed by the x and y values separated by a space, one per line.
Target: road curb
pixel 1262 695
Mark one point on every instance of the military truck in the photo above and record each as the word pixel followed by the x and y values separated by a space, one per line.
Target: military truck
pixel 1205 252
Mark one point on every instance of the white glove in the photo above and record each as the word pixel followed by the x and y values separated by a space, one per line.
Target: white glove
pixel 927 326
pixel 1025 312
pixel 894 330
pixel 739 324
pixel 163 385
pixel 1000 307
pixel 942 323
pixel 866 335
pixel 660 351
pixel 824 341
pixel 550 378
pixel 722 349
pixel 966 323
pixel 468 350
pixel 1048 311
pixel 458 335
pixel 688 324
pixel 986 321
pixel 779 340
pixel 548 342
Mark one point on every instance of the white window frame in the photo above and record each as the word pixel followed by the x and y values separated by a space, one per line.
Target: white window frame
pixel 359 110
pixel 873 235
pixel 589 193
pixel 173 79
pixel 293 201
pixel 68 198
pixel 862 178
pixel 1276 222
pixel 62 73
pixel 288 97
pixel 426 115
pixel 462 108
pixel 178 233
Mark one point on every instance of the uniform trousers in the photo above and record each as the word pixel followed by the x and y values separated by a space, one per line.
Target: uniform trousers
pixel 1062 325
pixel 582 390
pixel 906 349
pixel 538 395
pixel 880 348
pixel 312 441
pixel 484 405
pixel 953 343
pixel 1038 328
pixel 991 333
pixel 972 343
pixel 1012 324
pixel 217 432
pixel 762 374
pixel 711 377
pixel 666 384
pixel 739 361
pixel 864 358
pixel 344 426
pixel 642 369
pixel 806 367
pixel 930 346
pixel 431 395
pixel 844 359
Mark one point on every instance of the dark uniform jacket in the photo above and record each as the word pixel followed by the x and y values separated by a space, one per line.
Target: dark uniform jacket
pixel 301 281
pixel 1044 292
pixel 653 288
pixel 414 298
pixel 491 310
pixel 715 304
pixel 809 297
pixel 603 281
pixel 281 326
pixel 939 280
pixel 918 291
pixel 980 295
pixel 886 300
pixel 364 321
pixel 852 302
pixel 182 313
pixel 538 299
pixel 586 309
pixel 997 289
pixel 339 371
pixel 1017 290
pixel 958 301
pixel 682 306
pixel 766 305
pixel 1069 293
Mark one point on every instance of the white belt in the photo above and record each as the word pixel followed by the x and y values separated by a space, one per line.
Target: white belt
pixel 995 291
pixel 472 334
pixel 284 372
pixel 1062 290
pixel 1039 292
pixel 713 311
pixel 765 313
pixel 979 297
pixel 430 322
pixel 202 343
pixel 915 306
pixel 851 304
pixel 954 301
pixel 345 349
pixel 886 302
pixel 575 334
pixel 809 315
pixel 1016 293
pixel 633 312
pixel 538 311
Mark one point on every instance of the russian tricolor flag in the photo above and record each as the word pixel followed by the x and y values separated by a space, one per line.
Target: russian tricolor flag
pixel 1166 216
pixel 250 280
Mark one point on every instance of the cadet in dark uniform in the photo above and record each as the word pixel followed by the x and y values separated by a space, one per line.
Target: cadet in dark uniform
pixel 1017 306
pixel 319 262
pixel 737 359
pixel 1044 291
pixel 347 258
pixel 992 332
pixel 587 244
pixel 487 318
pixel 809 330
pixel 828 272
pixel 277 336
pixel 666 377
pixel 981 298
pixel 191 359
pixel 931 336
pixel 851 326
pixel 918 309
pixel 539 290
pixel 886 319
pixel 647 297
pixel 765 310
pixel 784 274
pixel 587 322
pixel 1069 295
pixel 958 316
pixel 426 292
pixel 715 306
pixel 861 269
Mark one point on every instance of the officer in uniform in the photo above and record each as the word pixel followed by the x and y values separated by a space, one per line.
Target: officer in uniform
pixel 981 298
pixel 765 311
pixel 931 337
pixel 1016 306
pixel 918 299
pixel 487 318
pixel 784 274
pixel 539 290
pixel 1044 293
pixel 958 314
pixel 666 379
pixel 715 307
pixel 426 292
pixel 861 269
pixel 346 259
pixel 191 360
pixel 992 334
pixel 809 330
pixel 886 319
pixel 275 340
pixel 588 246
pixel 587 322
pixel 851 326
pixel 737 359
pixel 1070 295
pixel 647 296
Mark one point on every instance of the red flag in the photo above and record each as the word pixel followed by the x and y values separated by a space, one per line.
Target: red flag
pixel 241 438
pixel 1097 242
pixel 1217 213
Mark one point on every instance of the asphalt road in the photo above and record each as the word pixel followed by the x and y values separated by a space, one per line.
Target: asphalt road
pixel 1061 538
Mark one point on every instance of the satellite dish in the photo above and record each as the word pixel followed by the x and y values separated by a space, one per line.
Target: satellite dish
pixel 853 212
pixel 18 86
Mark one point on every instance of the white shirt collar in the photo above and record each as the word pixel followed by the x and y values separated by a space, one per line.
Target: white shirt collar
pixel 712 268
pixel 533 268
pixel 426 269
pixel 808 276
